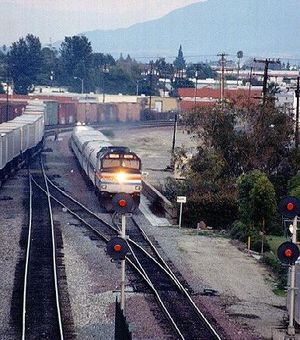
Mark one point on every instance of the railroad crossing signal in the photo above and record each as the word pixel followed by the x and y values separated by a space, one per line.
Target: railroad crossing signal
pixel 122 203
pixel 117 248
pixel 288 253
pixel 289 206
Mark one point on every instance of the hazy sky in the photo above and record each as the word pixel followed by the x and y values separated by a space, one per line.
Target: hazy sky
pixel 50 19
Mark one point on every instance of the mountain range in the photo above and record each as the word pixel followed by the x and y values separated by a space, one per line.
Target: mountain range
pixel 269 28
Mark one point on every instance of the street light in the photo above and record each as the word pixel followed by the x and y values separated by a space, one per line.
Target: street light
pixel 105 70
pixel 81 83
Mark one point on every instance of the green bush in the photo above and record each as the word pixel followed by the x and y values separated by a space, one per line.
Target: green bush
pixel 217 211
pixel 271 260
pixel 239 231
pixel 256 240
pixel 294 182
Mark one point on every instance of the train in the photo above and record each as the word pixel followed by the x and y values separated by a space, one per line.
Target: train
pixel 21 138
pixel 112 169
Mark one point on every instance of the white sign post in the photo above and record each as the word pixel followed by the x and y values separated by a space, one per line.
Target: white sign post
pixel 181 200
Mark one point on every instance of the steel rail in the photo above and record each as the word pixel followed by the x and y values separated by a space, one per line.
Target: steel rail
pixel 27 260
pixel 53 256
pixel 73 213
pixel 178 283
pixel 81 205
pixel 167 270
pixel 147 279
pixel 156 251
pixel 139 269
pixel 115 229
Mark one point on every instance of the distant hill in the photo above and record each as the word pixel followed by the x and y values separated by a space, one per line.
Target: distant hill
pixel 257 27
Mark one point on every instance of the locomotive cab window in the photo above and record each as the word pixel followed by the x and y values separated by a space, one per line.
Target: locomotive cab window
pixel 120 160
pixel 121 163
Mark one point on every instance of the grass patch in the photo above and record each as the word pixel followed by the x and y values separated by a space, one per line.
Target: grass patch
pixel 279 292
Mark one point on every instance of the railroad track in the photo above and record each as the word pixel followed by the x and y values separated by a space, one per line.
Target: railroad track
pixel 41 315
pixel 184 316
pixel 51 129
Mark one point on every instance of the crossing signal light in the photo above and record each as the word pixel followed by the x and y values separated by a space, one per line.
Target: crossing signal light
pixel 288 253
pixel 289 206
pixel 117 248
pixel 123 203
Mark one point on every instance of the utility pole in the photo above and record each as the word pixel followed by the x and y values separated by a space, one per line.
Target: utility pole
pixel 196 76
pixel 222 80
pixel 250 84
pixel 151 74
pixel 105 70
pixel 297 114
pixel 7 101
pixel 267 62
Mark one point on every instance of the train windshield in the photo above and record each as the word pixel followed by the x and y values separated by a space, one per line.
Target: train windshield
pixel 121 160
pixel 121 163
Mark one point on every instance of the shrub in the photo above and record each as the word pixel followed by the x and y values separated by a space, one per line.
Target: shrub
pixel 217 211
pixel 239 231
pixel 271 260
pixel 157 207
pixel 256 240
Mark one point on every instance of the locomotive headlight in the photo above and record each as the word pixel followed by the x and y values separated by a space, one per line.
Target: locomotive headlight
pixel 121 177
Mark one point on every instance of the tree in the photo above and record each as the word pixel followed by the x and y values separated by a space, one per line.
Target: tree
pixel 100 59
pixel 166 70
pixel 49 68
pixel 179 62
pixel 180 83
pixel 76 60
pixel 246 137
pixel 203 71
pixel 24 63
pixel 257 200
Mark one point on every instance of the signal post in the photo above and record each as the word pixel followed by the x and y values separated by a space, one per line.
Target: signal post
pixel 288 253
pixel 117 247
pixel 123 235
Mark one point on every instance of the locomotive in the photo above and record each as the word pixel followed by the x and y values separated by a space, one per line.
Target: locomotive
pixel 21 138
pixel 112 169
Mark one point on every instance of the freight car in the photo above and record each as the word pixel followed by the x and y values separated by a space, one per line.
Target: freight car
pixel 20 138
pixel 112 169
